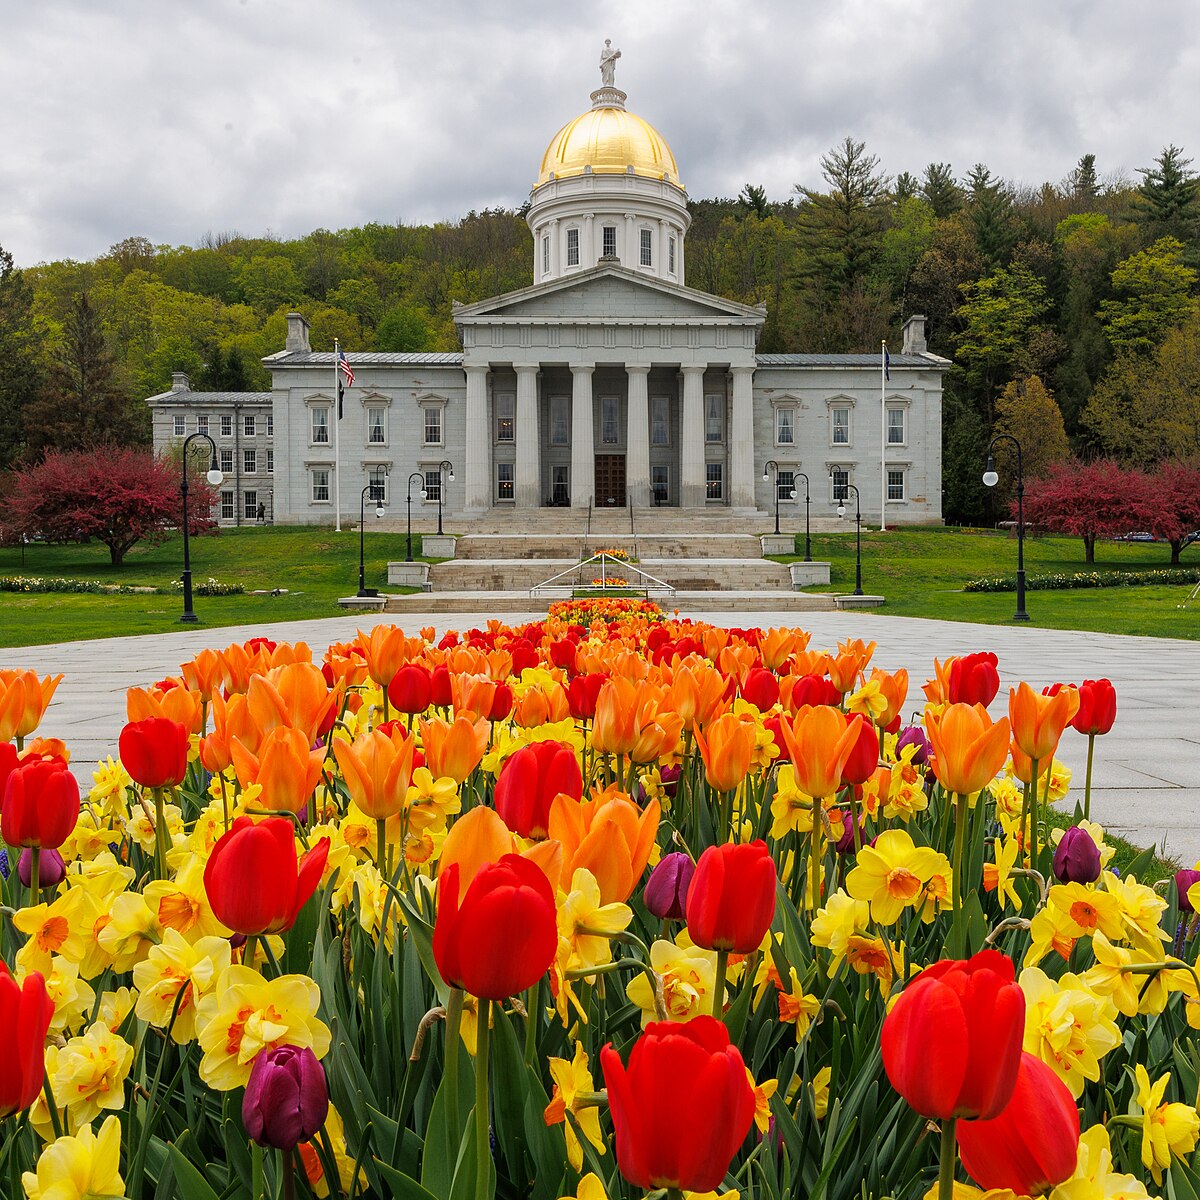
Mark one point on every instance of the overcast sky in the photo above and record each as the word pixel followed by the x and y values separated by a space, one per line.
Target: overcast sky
pixel 171 118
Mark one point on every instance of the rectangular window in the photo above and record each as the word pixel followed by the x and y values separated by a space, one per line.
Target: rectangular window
pixel 250 505
pixel 320 426
pixel 226 425
pixel 572 247
pixel 202 424
pixel 504 481
pixel 505 415
pixel 180 424
pixel 840 478
pixel 785 428
pixel 895 485
pixel 785 484
pixel 226 462
pixel 433 426
pixel 660 421
pixel 376 429
pixel 270 419
pixel 269 464
pixel 647 247
pixel 248 426
pixel 610 241
pixel 250 461
pixel 714 418
pixel 660 484
pixel 841 426
pixel 546 255
pixel 228 511
pixel 561 484
pixel 560 421
pixel 320 485
pixel 713 480
pixel 609 433
pixel 671 255
pixel 895 427
pixel 377 480
pixel 433 485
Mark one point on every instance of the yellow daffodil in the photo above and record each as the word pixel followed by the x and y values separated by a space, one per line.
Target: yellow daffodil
pixel 1094 1178
pixel 571 1078
pixel 140 826
pixel 1050 930
pixel 83 1167
pixel 132 928
pixel 688 978
pixel 1009 800
pixel 174 967
pixel 796 1007
pixel 182 903
pixel 1087 909
pixel 891 875
pixel 591 1187
pixel 584 922
pixel 1068 1026
pixel 838 921
pixel 114 1007
pixel 110 787
pixel 1141 910
pixel 245 1014
pixel 1167 1129
pixel 1108 978
pixel 431 802
pixel 91 1072
pixel 57 928
pixel 820 1087
pixel 335 1131
pixel 791 809
pixel 876 956
pixel 69 994
pixel 997 876
pixel 906 789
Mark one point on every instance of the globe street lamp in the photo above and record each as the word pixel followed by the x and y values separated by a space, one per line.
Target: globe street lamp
pixel 772 466
pixel 841 512
pixel 444 465
pixel 990 479
pixel 376 495
pixel 420 478
pixel 215 477
pixel 807 539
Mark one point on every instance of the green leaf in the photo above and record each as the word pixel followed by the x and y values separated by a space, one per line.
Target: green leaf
pixel 190 1183
pixel 402 1187
pixel 443 1145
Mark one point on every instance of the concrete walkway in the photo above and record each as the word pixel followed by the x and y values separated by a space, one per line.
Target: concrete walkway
pixel 1146 778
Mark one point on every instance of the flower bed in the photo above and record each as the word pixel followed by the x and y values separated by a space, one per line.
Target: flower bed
pixel 592 907
pixel 1085 579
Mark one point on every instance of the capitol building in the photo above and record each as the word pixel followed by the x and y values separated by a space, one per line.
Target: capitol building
pixel 607 383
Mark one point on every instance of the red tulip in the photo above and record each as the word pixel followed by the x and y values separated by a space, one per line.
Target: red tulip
pixel 731 900
pixel 814 691
pixel 681 1108
pixel 252 878
pixel 530 780
pixel 1033 1144
pixel 502 702
pixel 441 690
pixel 40 804
pixel 581 695
pixel 761 688
pixel 410 690
pixel 503 935
pixel 154 751
pixel 864 758
pixel 25 1012
pixel 952 1040
pixel 973 679
pixel 1097 707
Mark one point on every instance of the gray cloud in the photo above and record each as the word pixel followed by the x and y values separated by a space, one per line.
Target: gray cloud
pixel 168 120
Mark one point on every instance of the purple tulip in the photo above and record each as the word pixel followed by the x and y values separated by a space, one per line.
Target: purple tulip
pixel 667 888
pixel 286 1099
pixel 845 844
pixel 1183 881
pixel 51 871
pixel 914 735
pixel 1077 859
pixel 669 776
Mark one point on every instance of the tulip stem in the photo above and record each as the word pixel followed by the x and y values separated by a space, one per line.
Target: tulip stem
pixel 483 1148
pixel 454 1010
pixel 381 848
pixel 160 833
pixel 1087 785
pixel 948 1158
pixel 288 1176
pixel 960 840
pixel 532 1003
pixel 256 1171
pixel 35 869
pixel 718 1007
pixel 1033 815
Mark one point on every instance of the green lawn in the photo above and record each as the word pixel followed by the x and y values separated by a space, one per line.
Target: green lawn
pixel 315 565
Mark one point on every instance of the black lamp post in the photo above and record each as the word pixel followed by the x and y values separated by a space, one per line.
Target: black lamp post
pixel 417 475
pixel 841 512
pixel 990 478
pixel 215 478
pixel 444 466
pixel 807 538
pixel 377 496
pixel 773 466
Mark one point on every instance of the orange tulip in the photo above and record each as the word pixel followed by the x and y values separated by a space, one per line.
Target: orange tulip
pixel 737 659
pixel 696 691
pixel 310 704
pixel 23 702
pixel 480 837
pixel 377 770
pixel 968 749
pixel 819 741
pixel 609 835
pixel 1038 721
pixel 727 749
pixel 778 645
pixel 285 767
pixel 894 689
pixel 205 673
pixel 454 749
pixel 614 727
pixel 810 662
pixel 173 703
pixel 851 661
pixel 386 651
pixel 539 705
pixel 231 719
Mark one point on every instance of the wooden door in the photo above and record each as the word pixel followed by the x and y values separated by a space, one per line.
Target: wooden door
pixel 610 481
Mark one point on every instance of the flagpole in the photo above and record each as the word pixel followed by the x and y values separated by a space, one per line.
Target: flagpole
pixel 337 446
pixel 883 439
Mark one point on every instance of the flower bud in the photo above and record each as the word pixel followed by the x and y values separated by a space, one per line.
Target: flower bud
pixel 286 1098
pixel 1184 880
pixel 51 871
pixel 1077 859
pixel 914 735
pixel 667 888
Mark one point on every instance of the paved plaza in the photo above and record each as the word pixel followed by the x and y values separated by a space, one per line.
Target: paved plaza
pixel 1146 782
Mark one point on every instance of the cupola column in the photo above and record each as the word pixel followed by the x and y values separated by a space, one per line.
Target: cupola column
pixel 637 456
pixel 583 454
pixel 692 489
pixel 528 472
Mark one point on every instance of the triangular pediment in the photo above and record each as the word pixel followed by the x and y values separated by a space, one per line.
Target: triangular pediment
pixel 606 293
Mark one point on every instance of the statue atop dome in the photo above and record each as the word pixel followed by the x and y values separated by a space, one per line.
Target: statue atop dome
pixel 608 64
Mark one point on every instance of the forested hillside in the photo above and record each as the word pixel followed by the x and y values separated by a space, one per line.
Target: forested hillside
pixel 1070 311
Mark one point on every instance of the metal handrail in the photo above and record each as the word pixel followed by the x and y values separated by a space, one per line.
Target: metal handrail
pixel 651 582
pixel 629 504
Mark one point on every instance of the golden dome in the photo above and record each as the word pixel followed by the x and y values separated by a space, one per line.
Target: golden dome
pixel 609 140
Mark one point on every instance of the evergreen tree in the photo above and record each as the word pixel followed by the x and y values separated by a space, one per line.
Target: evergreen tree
pixel 1083 182
pixel 939 190
pixel 754 199
pixel 1168 200
pixel 991 209
pixel 20 348
pixel 906 187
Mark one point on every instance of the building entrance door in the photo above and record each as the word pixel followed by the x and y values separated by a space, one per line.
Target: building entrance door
pixel 610 480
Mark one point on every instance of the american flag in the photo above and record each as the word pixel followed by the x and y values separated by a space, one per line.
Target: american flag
pixel 345 368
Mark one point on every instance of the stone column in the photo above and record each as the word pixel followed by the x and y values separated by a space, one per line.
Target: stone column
pixel 583 454
pixel 691 467
pixel 477 472
pixel 741 440
pixel 528 490
pixel 637 439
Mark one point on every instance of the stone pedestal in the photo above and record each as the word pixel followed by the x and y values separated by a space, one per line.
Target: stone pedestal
pixel 409 574
pixel 438 545
pixel 809 574
pixel 778 543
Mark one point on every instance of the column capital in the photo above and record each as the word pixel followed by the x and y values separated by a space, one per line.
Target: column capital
pixel 476 369
pixel 693 370
pixel 527 368
pixel 582 368
pixel 742 369
pixel 637 369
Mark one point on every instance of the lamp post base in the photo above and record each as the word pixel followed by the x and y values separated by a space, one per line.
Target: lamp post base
pixel 364 593
pixel 1021 615
pixel 189 618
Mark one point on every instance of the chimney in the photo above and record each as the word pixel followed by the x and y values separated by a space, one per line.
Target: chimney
pixel 297 334
pixel 180 382
pixel 914 335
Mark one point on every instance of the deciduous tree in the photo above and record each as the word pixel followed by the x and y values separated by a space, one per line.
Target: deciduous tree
pixel 1176 488
pixel 1152 293
pixel 20 348
pixel 1027 411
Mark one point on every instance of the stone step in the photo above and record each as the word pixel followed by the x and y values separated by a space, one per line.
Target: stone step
pixel 710 574
pixel 684 603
